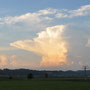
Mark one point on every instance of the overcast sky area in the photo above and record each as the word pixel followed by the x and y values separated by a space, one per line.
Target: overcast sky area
pixel 45 34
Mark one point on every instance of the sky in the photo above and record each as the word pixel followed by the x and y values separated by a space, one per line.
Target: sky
pixel 45 34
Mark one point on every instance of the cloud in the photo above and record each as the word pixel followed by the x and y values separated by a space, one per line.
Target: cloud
pixel 28 21
pixel 82 11
pixel 14 61
pixel 36 17
pixel 47 11
pixel 6 48
pixel 88 44
pixel 45 15
pixel 7 61
pixel 80 63
pixel 32 18
pixel 3 60
pixel 50 44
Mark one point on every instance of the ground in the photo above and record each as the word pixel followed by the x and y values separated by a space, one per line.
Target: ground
pixel 45 84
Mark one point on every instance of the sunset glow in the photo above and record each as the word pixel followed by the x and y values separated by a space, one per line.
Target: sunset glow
pixel 44 34
pixel 50 44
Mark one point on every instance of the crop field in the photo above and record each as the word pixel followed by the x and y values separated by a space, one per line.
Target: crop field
pixel 45 84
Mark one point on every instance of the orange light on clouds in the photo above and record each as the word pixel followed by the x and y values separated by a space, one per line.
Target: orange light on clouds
pixel 50 44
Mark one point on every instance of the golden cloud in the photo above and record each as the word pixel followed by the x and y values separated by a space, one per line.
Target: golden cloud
pixel 50 44
pixel 7 61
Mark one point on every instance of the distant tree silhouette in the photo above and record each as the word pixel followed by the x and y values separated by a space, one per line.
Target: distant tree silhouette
pixel 46 75
pixel 30 76
pixel 10 77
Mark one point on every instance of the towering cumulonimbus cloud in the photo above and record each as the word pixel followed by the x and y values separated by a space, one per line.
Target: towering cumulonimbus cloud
pixel 50 44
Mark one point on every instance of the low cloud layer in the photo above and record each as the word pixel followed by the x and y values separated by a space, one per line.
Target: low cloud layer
pixel 50 44
pixel 7 61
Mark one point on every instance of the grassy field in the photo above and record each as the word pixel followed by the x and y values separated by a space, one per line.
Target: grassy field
pixel 45 84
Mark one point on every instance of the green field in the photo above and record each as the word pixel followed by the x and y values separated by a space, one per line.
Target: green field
pixel 45 84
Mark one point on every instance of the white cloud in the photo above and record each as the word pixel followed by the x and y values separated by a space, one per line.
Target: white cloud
pixel 29 21
pixel 28 17
pixel 47 11
pixel 50 44
pixel 45 15
pixel 82 11
pixel 38 17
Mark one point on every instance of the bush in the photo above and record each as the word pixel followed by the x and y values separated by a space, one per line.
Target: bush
pixel 46 75
pixel 10 77
pixel 30 76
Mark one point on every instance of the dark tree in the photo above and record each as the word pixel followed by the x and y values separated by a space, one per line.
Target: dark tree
pixel 30 76
pixel 10 77
pixel 46 75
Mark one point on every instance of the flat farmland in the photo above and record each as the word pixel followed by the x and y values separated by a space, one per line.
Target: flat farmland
pixel 45 84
